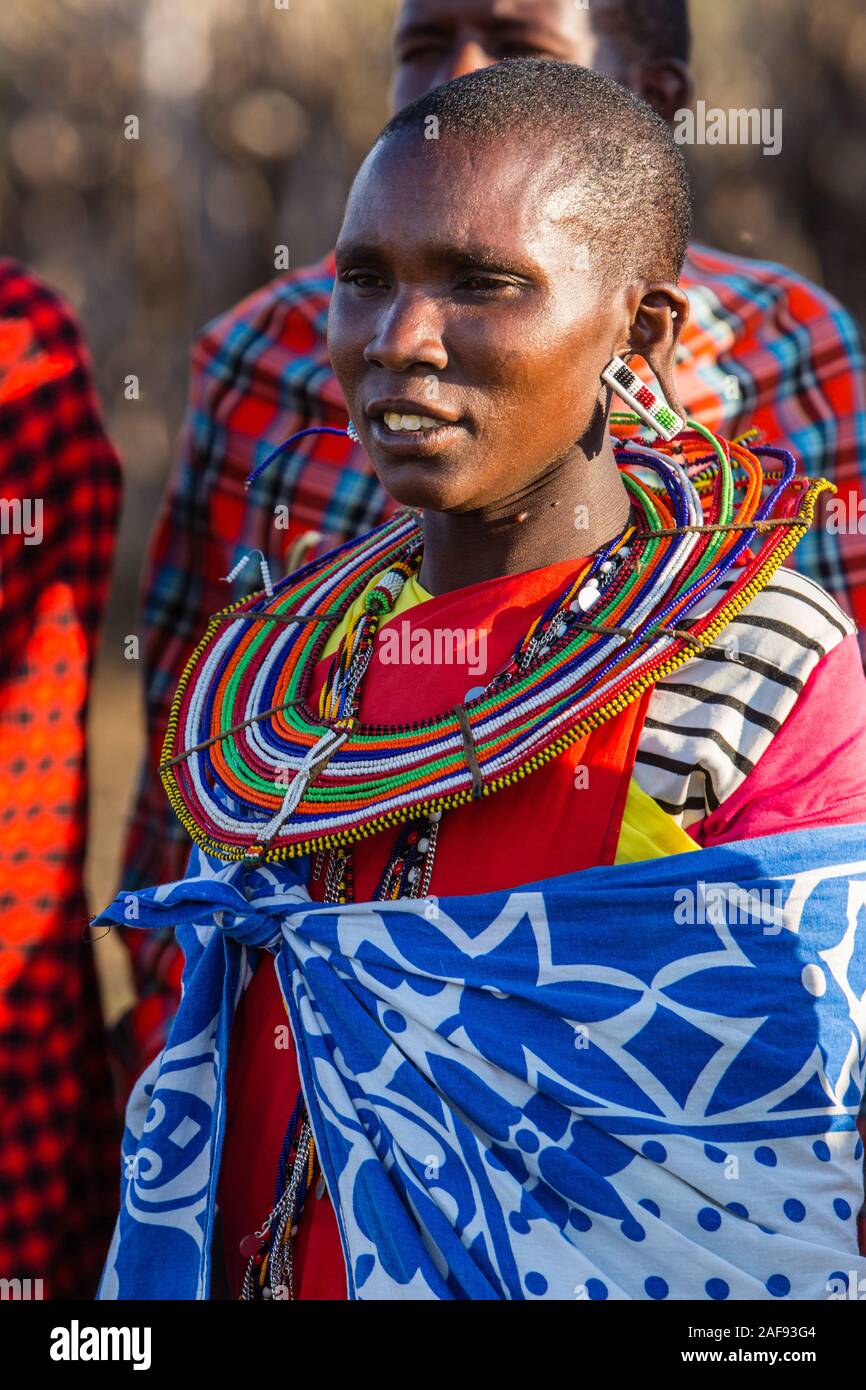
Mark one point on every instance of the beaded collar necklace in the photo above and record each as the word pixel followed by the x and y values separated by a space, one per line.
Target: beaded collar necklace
pixel 254 772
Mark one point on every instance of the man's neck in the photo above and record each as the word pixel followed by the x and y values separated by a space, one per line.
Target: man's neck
pixel 569 513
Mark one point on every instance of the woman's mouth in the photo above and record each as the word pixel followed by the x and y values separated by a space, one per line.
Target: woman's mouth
pixel 411 435
pixel 406 424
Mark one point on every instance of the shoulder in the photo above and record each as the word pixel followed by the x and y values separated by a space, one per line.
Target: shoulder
pixel 47 377
pixel 766 287
pixel 710 722
pixel 290 311
pixel 24 295
pixel 791 615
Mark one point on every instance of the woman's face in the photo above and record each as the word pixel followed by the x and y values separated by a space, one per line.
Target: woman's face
pixel 469 325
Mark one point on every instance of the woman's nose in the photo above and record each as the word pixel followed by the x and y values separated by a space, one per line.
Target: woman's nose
pixel 408 335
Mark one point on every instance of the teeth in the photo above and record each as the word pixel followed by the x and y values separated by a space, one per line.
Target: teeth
pixel 410 423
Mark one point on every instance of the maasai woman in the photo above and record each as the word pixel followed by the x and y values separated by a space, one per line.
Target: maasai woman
pixel 521 932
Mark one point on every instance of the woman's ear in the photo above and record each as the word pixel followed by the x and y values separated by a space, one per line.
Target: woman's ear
pixel 658 320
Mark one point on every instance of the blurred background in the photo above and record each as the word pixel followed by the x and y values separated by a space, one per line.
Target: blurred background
pixel 251 117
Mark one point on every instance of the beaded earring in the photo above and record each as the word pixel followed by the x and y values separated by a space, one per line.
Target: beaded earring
pixel 349 432
pixel 654 412
pixel 265 568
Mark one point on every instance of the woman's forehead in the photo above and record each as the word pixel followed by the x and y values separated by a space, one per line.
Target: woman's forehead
pixel 484 196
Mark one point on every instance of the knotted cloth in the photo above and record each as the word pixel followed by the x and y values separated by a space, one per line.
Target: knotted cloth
pixel 631 1082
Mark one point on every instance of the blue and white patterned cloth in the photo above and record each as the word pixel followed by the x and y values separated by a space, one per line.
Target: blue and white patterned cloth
pixel 631 1083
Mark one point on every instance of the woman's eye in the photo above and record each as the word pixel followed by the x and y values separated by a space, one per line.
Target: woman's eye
pixel 484 284
pixel 362 279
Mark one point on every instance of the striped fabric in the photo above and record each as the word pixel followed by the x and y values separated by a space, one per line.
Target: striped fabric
pixel 763 347
pixel 709 723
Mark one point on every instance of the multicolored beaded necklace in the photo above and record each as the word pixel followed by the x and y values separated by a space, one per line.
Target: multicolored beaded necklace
pixel 618 626
pixel 255 773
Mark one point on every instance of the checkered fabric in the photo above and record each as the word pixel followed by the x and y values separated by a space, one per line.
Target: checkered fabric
pixel 59 502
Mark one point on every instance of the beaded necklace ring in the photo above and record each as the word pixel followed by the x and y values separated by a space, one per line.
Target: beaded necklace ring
pixel 254 772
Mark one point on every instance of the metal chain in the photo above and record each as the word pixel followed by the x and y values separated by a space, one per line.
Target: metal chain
pixel 280 1277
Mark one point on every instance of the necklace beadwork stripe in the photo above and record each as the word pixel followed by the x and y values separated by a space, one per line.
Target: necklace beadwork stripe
pixel 254 772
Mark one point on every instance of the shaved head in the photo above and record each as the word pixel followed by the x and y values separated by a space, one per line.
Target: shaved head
pixel 622 178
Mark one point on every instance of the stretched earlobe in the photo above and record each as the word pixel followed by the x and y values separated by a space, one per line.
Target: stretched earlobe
pixel 663 372
pixel 659 319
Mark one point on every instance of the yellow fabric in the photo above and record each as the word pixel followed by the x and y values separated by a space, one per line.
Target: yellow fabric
pixel 411 594
pixel 647 832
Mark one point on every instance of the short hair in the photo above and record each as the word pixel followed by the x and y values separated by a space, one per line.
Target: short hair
pixel 635 207
pixel 649 29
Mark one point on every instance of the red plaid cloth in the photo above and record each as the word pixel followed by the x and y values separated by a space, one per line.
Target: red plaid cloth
pixel 58 1127
pixel 762 347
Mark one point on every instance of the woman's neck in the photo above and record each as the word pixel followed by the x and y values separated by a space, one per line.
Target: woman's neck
pixel 571 511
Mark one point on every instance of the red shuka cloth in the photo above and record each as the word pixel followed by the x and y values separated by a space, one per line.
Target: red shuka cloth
pixel 60 480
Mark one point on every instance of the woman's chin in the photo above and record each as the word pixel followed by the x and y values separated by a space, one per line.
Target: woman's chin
pixel 429 486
